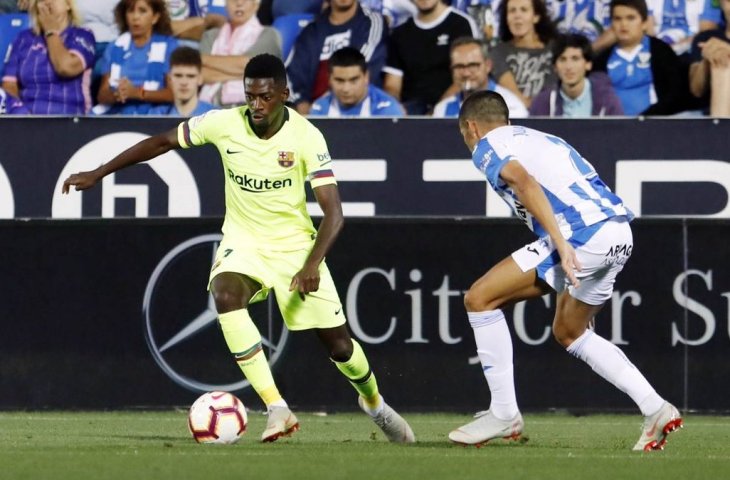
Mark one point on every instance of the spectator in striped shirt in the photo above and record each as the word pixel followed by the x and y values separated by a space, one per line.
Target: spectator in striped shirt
pixel 49 64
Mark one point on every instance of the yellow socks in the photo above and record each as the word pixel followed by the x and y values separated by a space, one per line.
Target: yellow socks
pixel 357 370
pixel 244 342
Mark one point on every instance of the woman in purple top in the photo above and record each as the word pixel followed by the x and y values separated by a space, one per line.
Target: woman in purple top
pixel 49 66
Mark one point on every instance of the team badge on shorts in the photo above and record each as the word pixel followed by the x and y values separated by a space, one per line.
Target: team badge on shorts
pixel 286 159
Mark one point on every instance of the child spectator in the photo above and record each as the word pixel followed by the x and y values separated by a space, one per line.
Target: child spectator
pixel 351 94
pixel 645 72
pixel 227 50
pixel 523 61
pixel 136 64
pixel 49 64
pixel 185 79
pixel 577 94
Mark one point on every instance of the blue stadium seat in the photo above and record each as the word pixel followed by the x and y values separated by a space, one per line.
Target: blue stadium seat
pixel 10 25
pixel 289 27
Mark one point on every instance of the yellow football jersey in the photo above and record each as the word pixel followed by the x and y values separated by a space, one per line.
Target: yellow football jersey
pixel 264 179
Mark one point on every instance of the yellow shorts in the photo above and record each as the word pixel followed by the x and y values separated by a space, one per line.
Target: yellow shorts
pixel 274 270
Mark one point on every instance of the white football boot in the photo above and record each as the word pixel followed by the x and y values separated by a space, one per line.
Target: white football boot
pixel 657 427
pixel 281 423
pixel 395 428
pixel 487 427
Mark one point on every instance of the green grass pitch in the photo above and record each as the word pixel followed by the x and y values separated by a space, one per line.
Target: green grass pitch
pixel 156 445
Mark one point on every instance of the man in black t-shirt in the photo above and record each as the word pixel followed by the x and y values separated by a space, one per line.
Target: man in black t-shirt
pixel 417 70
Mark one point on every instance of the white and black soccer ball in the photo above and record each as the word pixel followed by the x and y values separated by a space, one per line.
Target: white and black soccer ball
pixel 217 417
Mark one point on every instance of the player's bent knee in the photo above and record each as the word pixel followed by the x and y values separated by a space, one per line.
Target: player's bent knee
pixel 341 350
pixel 565 335
pixel 230 292
pixel 476 302
pixel 227 301
pixel 228 296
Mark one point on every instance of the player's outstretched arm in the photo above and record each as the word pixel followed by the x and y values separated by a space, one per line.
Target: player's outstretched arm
pixel 307 279
pixel 140 152
pixel 531 195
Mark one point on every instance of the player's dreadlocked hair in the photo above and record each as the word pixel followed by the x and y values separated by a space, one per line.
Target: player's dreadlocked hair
pixel 484 106
pixel 266 66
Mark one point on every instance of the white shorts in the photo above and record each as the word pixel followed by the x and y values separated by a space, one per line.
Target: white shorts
pixel 602 249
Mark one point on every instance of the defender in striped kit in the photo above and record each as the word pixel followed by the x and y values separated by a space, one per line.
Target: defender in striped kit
pixel 584 241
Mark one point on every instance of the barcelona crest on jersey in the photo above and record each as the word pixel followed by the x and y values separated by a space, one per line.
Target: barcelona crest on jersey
pixel 286 159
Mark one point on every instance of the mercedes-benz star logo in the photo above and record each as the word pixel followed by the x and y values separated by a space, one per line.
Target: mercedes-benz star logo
pixel 179 337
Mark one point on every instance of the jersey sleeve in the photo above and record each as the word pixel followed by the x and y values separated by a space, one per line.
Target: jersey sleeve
pixel 12 62
pixel 490 157
pixel 394 62
pixel 199 130
pixel 82 43
pixel 317 159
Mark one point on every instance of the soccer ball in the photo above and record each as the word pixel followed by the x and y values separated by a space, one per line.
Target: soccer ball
pixel 217 417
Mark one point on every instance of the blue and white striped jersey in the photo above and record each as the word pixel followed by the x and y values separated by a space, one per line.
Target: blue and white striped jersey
pixel 578 197
pixel 632 78
pixel 376 103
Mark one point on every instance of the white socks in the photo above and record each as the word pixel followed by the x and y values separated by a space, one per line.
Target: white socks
pixel 607 360
pixel 494 347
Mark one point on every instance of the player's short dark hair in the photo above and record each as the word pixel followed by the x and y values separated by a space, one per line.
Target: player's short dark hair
pixel 347 57
pixel 572 40
pixel 266 65
pixel 187 56
pixel 459 41
pixel 484 106
pixel 638 5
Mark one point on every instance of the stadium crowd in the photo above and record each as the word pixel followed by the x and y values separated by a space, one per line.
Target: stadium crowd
pixel 573 58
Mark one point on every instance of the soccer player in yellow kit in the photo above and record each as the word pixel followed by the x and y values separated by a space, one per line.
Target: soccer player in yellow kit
pixel 269 242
